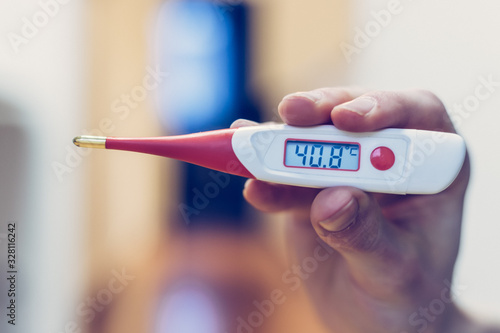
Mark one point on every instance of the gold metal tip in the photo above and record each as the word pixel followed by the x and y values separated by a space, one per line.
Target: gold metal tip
pixel 88 141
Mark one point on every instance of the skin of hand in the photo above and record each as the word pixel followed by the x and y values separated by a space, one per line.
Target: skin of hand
pixel 383 262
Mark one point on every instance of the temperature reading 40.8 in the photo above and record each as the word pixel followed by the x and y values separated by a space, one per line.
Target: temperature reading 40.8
pixel 322 155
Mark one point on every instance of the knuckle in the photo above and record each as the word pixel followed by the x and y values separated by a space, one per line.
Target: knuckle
pixel 385 96
pixel 415 107
pixel 432 101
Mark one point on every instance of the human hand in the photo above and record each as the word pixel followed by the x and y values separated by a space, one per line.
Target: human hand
pixel 390 258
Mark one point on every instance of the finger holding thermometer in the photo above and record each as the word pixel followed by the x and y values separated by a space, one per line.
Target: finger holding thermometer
pixel 396 161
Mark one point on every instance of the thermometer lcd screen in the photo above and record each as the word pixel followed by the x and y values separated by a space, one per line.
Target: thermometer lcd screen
pixel 322 155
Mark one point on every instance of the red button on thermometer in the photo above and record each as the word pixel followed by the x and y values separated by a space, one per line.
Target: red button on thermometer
pixel 382 158
pixel 395 161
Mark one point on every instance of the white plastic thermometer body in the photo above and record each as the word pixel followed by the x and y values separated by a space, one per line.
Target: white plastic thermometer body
pixel 399 161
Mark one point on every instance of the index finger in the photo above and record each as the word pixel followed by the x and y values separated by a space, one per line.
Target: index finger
pixel 416 109
pixel 314 107
pixel 356 110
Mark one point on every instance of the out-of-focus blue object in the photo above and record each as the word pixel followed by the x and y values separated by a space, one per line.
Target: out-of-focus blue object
pixel 199 50
pixel 202 45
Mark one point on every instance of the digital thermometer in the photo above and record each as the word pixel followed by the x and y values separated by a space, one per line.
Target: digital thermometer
pixel 397 161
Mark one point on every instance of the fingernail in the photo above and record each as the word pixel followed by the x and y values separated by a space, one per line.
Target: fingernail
pixel 243 123
pixel 361 105
pixel 343 219
pixel 314 95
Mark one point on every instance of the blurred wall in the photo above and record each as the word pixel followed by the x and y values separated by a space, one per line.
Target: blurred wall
pixel 450 47
pixel 126 191
pixel 41 108
pixel 295 47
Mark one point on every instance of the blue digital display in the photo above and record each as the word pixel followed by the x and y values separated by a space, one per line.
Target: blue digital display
pixel 322 155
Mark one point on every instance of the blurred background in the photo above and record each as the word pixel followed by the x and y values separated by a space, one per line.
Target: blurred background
pixel 123 242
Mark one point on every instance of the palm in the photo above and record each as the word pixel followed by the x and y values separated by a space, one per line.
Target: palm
pixel 428 229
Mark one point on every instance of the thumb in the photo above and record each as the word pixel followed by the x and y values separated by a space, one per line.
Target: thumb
pixel 351 222
pixel 347 219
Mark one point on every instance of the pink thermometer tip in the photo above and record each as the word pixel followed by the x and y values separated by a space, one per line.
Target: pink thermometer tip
pixel 211 149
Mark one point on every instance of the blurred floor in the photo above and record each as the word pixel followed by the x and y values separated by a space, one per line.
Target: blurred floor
pixel 241 274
